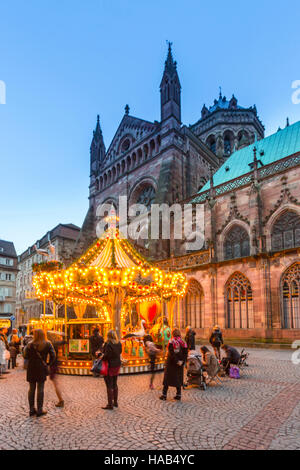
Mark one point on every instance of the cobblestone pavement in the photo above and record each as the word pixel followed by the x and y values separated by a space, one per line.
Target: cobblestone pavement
pixel 259 411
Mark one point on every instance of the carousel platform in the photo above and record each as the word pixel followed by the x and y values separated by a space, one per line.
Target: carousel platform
pixel 131 366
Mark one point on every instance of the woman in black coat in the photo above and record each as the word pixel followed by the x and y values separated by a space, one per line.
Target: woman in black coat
pixel 177 355
pixel 112 354
pixel 36 353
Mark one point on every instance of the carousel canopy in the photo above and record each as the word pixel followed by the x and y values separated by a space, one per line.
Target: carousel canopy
pixel 110 265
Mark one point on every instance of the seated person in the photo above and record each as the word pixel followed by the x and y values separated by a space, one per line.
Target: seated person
pixel 209 361
pixel 232 357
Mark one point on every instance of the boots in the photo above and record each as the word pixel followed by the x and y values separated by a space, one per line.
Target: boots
pixel 115 395
pixel 109 406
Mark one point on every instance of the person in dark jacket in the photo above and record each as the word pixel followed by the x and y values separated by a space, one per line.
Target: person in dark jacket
pixel 177 355
pixel 190 338
pixel 232 357
pixel 216 340
pixel 96 342
pixel 112 351
pixel 37 352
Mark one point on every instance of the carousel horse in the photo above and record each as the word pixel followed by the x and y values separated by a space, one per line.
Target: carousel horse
pixel 137 333
pixel 161 333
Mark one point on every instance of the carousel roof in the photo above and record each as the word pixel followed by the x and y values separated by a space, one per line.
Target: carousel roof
pixel 109 265
pixel 111 251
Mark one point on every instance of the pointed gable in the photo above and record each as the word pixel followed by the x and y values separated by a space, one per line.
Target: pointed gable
pixel 131 129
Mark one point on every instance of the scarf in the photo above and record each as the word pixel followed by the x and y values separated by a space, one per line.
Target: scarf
pixel 178 342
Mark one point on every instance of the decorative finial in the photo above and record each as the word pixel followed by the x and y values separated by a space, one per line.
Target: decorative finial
pixel 220 94
pixel 169 44
pixel 287 122
pixel 127 109
pixel 98 118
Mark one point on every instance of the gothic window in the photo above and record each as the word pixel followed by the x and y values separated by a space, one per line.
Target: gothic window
pixel 194 301
pixel 236 243
pixel 146 196
pixel 239 303
pixel 286 231
pixel 211 143
pixel 228 143
pixel 290 286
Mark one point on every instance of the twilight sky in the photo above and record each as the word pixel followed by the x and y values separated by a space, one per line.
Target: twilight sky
pixel 65 61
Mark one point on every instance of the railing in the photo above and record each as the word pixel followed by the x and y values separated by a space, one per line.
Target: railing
pixel 191 260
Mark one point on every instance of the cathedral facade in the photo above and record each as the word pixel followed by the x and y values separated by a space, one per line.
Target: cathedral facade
pixel 246 278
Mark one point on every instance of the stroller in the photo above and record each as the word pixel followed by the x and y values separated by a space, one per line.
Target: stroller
pixel 195 370
pixel 243 359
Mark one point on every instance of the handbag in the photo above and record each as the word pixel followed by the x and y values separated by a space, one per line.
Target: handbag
pixel 234 372
pixel 100 367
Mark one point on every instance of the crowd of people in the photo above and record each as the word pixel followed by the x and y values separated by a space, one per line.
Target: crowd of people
pixel 40 361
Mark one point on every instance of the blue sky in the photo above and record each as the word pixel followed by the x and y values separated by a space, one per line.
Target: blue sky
pixel 65 61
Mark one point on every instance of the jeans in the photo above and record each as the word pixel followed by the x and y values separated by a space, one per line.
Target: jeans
pixel 40 395
pixel 13 362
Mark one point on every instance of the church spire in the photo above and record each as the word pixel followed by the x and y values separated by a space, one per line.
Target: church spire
pixel 170 89
pixel 97 145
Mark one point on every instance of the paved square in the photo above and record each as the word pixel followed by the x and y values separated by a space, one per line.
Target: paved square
pixel 259 411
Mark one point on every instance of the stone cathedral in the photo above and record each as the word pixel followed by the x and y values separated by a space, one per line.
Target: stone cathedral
pixel 246 278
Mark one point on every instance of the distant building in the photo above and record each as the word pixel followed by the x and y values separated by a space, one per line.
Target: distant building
pixel 63 238
pixel 8 275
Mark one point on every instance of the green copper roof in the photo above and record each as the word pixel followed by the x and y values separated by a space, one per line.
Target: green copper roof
pixel 283 143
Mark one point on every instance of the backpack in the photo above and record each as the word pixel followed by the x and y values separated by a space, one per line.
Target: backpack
pixel 234 372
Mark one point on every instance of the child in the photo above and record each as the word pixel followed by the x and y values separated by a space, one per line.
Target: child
pixel 13 355
pixel 152 351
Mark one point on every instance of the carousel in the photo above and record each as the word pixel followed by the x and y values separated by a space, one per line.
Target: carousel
pixel 111 286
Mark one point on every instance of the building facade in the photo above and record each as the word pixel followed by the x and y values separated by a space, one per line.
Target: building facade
pixel 63 238
pixel 159 162
pixel 247 277
pixel 8 275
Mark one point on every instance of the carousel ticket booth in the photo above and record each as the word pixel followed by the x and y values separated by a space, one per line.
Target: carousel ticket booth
pixel 128 293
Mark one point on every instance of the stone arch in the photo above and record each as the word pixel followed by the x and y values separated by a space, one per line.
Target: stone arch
pixel 228 138
pixel 136 189
pixel 211 143
pixel 239 302
pixel 290 297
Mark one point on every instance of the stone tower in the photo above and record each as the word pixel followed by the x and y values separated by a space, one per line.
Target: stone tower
pixel 170 92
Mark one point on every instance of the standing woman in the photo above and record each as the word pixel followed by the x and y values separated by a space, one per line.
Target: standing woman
pixel 216 340
pixel 37 352
pixel 112 354
pixel 177 355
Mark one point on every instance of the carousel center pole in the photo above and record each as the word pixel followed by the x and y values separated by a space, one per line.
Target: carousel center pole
pixel 66 319
pixel 44 316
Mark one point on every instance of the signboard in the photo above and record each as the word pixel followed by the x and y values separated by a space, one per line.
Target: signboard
pixel 79 346
pixel 5 323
